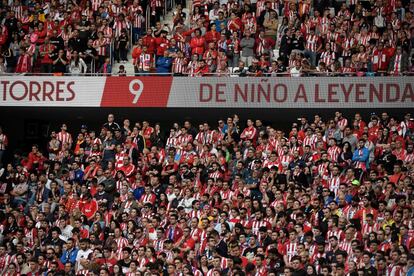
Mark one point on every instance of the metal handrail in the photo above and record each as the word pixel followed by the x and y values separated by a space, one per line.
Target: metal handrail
pixel 111 49
pixel 147 18
pixel 130 36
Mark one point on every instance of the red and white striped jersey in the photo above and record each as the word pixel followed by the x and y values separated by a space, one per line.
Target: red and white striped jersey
pixel 88 13
pixel 197 234
pixel 327 57
pixel 310 141
pixel 148 198
pixel 82 272
pixel 158 245
pixel 100 46
pixel 285 159
pixel 250 24
pixel 191 68
pixel 3 141
pixel 249 133
pixel 117 9
pixel 337 233
pixel 333 153
pixel 347 45
pixel 342 123
pixel 96 4
pixel 409 158
pixel 395 270
pixel 226 195
pixel 179 65
pixel 7 259
pixel 171 142
pixel 133 10
pixel 156 3
pixel 119 159
pixel 324 25
pixel 215 175
pixel 127 207
pixel 121 242
pixel 257 224
pixel 18 11
pixel 269 164
pixel 138 21
pixel 118 185
pixel 312 43
pixel 290 250
pixel 107 31
pixel 194 214
pixel 204 137
pixel 64 137
pixel 119 26
pixel 364 39
pixel 349 212
pixel 304 8
pixel 333 184
pixel 346 246
pixel 185 139
pixel 196 272
pixel 366 229
pixel 30 234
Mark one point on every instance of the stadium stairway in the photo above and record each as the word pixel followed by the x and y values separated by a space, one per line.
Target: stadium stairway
pixel 129 68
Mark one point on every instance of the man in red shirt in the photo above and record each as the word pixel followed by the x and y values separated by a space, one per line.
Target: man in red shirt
pixel 45 51
pixel 212 35
pixel 198 43
pixel 361 214
pixel 88 206
pixel 161 43
pixel 149 41
pixel 146 132
pixel 186 242
pixel 129 169
pixel 380 59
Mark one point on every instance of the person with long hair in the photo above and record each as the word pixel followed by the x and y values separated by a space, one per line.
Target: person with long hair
pixel 203 264
pixel 77 66
pixel 345 158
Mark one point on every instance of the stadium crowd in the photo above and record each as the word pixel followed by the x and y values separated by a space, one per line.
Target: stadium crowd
pixel 245 38
pixel 330 196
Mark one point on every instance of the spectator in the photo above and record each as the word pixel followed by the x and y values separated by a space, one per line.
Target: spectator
pixel 121 48
pixel 77 66
pixel 247 47
pixel 60 62
pixel 106 68
pixel 122 72
pixel 163 64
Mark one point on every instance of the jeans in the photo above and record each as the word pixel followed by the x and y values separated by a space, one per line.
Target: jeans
pixel 311 56
pixel 247 61
pixel 136 33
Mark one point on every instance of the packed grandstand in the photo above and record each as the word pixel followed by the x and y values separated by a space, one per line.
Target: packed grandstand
pixel 221 38
pixel 328 196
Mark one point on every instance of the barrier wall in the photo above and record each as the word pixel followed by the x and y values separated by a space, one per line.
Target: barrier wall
pixel 211 92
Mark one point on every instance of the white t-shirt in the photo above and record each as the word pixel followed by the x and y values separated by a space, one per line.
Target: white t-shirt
pixel 82 255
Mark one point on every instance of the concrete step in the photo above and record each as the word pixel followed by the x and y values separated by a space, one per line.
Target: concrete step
pixel 168 19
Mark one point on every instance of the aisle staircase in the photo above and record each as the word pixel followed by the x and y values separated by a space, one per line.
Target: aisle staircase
pixel 167 19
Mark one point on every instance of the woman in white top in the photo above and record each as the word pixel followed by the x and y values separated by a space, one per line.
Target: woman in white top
pixel 77 65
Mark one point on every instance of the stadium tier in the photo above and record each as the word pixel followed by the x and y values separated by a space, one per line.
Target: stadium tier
pixel 203 138
pixel 222 38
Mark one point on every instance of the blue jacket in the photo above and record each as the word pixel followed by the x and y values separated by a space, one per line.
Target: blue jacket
pixel 364 157
pixel 164 64
pixel 69 256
